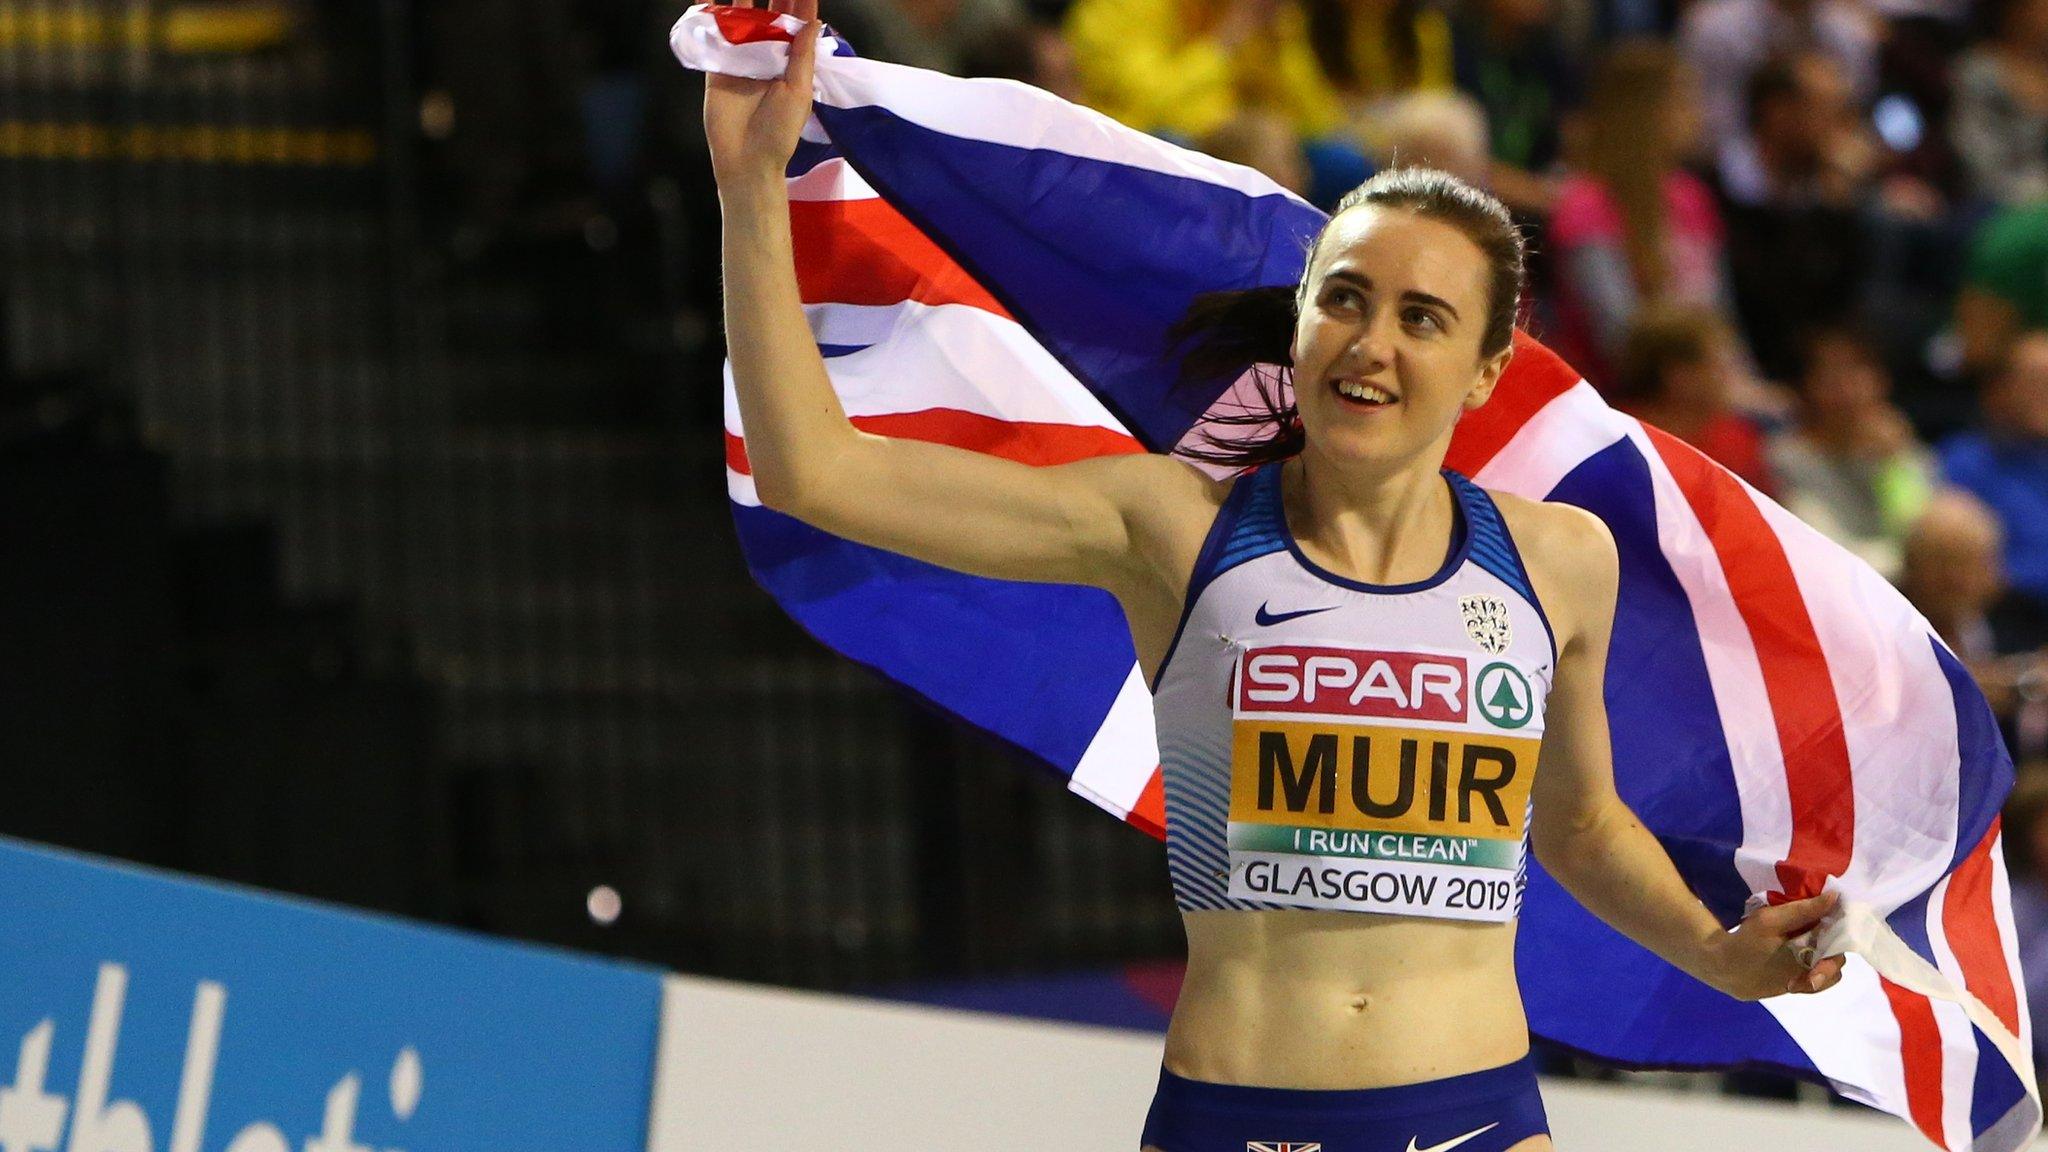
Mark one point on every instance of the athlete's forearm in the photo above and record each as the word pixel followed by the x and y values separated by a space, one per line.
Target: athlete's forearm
pixel 1619 871
pixel 795 425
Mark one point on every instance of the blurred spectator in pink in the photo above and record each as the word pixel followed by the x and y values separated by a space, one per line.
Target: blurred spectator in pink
pixel 1998 122
pixel 1726 41
pixel 1633 226
pixel 1507 56
pixel 1790 194
pixel 1849 465
pixel 1681 369
pixel 2005 464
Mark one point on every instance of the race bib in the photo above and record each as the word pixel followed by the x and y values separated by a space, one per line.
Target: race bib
pixel 1393 782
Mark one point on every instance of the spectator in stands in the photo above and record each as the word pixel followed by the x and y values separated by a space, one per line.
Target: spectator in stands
pixel 1726 41
pixel 1443 130
pixel 1184 68
pixel 1507 57
pixel 1955 574
pixel 1951 569
pixel 1850 466
pixel 1261 140
pixel 1032 52
pixel 1998 122
pixel 1376 51
pixel 2005 464
pixel 1791 195
pixel 2005 287
pixel 1681 369
pixel 1634 227
pixel 932 34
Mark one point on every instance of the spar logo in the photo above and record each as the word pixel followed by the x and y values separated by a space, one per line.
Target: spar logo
pixel 1503 696
pixel 1346 682
pixel 33 1117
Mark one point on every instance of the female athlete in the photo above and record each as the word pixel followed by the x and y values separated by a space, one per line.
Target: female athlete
pixel 1376 685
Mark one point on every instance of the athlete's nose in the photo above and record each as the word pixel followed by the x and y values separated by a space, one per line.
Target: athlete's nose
pixel 1371 351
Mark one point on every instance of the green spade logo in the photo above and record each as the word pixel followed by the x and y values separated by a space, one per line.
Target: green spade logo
pixel 1503 696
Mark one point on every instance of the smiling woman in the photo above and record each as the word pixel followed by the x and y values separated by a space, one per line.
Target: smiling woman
pixel 1377 686
pixel 1226 332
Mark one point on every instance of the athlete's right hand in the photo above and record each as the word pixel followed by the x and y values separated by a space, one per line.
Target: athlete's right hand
pixel 753 125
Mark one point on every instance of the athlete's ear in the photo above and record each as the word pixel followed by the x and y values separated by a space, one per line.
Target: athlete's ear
pixel 1490 371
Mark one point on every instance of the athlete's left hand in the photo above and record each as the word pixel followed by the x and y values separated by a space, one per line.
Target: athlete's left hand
pixel 1765 955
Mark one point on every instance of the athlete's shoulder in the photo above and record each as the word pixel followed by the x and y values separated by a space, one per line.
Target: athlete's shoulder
pixel 1157 473
pixel 1565 548
pixel 1166 504
pixel 1148 485
pixel 1544 524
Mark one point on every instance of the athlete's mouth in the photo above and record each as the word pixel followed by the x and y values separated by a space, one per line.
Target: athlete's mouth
pixel 1361 393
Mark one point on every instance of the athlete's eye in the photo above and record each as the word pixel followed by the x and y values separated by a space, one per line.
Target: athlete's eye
pixel 1342 296
pixel 1419 317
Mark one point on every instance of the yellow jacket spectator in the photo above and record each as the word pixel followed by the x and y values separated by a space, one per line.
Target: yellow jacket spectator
pixel 1186 67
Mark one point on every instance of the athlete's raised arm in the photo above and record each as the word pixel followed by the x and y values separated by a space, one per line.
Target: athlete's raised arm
pixel 1583 832
pixel 1089 522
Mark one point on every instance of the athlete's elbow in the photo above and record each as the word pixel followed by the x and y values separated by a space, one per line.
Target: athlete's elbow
pixel 1565 842
pixel 780 492
pixel 803 485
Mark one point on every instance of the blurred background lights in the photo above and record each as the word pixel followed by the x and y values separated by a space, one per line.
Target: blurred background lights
pixel 603 904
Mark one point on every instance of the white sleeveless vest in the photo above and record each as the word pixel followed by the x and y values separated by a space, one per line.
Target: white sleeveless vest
pixel 1338 745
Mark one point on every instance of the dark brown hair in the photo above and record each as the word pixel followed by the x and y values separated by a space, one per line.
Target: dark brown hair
pixel 1226 333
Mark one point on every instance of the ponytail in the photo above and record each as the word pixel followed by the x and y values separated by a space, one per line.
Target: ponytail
pixel 1224 335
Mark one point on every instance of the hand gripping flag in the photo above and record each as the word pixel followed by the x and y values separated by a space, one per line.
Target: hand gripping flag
pixel 988 266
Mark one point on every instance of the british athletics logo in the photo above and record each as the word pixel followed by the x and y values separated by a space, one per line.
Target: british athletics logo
pixel 1280 1146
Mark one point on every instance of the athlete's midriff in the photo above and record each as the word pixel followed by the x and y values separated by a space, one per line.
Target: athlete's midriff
pixel 1321 1000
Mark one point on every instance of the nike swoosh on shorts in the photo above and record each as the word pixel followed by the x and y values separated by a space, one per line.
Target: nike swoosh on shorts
pixel 1454 1141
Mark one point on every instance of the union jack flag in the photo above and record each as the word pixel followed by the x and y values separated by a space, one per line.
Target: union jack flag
pixel 987 266
pixel 1280 1146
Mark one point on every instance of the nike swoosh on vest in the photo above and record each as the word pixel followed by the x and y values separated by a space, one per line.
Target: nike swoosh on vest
pixel 1266 619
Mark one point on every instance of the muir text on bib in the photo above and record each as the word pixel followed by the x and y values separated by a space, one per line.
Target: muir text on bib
pixel 1376 782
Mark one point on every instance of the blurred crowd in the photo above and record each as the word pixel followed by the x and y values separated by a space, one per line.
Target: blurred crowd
pixel 1810 237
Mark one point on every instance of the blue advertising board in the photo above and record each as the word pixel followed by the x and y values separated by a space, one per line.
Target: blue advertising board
pixel 146 1013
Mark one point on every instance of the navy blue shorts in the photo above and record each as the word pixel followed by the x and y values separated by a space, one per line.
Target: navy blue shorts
pixel 1486 1111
